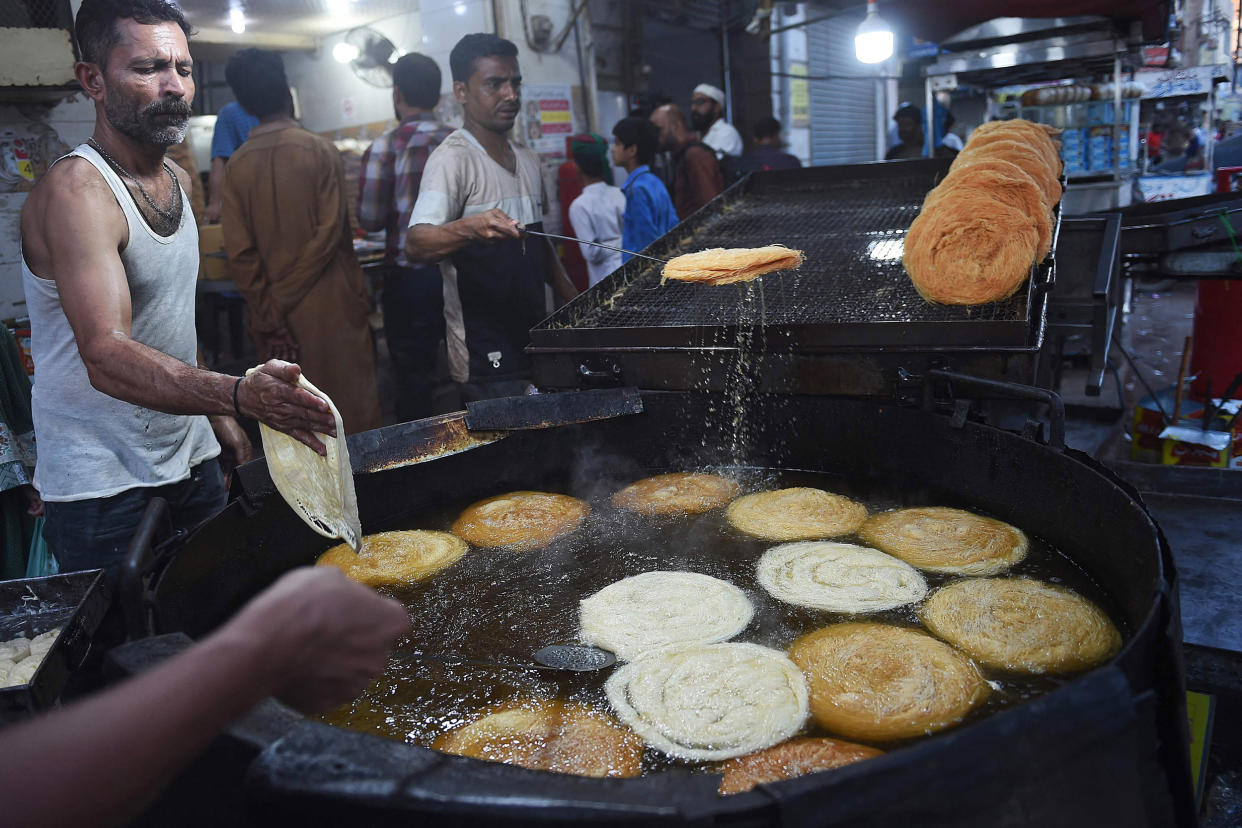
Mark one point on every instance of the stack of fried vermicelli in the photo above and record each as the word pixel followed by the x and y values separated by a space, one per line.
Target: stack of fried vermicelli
pixel 985 225
pixel 720 265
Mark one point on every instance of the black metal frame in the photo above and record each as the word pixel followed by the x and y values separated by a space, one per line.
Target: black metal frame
pixel 690 336
pixel 1087 298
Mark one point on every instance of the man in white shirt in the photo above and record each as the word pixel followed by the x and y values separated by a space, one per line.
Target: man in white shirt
pixel 596 216
pixel 707 116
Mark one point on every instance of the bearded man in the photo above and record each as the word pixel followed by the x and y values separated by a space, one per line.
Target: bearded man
pixel 707 118
pixel 122 410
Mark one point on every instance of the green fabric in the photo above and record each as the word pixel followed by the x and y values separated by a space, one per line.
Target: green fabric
pixel 593 144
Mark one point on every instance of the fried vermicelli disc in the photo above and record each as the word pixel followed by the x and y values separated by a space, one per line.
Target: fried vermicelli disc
pixel 1024 155
pixel 969 250
pixel 1041 136
pixel 654 610
pixel 390 558
pixel 520 521
pixel 550 735
pixel 940 539
pixel 686 493
pixel 878 682
pixel 722 266
pixel 799 513
pixel 797 757
pixel 1015 188
pixel 1022 625
pixel 838 577
pixel 710 701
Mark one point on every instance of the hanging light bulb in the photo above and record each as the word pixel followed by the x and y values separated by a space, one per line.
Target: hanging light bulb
pixel 874 41
pixel 237 20
pixel 345 52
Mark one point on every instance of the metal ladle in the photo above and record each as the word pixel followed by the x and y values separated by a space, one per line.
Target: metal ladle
pixel 575 658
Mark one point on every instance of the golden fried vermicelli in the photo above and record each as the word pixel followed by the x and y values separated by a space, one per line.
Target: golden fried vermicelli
pixel 969 250
pixel 550 735
pixel 687 493
pixel 1024 155
pixel 1036 140
pixel 1016 189
pixel 1039 135
pixel 652 610
pixel 722 266
pixel 838 577
pixel 940 539
pixel 710 701
pixel 520 521
pixel 799 513
pixel 1022 625
pixel 877 682
pixel 390 558
pixel 797 757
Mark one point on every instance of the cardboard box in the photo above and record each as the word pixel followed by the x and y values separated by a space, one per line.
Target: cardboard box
pixel 212 263
pixel 1185 444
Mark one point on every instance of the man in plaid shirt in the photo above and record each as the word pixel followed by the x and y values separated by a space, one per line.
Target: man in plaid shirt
pixel 392 169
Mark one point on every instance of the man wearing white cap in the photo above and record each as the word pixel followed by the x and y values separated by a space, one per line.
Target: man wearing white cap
pixel 706 115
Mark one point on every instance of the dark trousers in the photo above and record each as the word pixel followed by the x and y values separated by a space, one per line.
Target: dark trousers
pixel 413 302
pixel 96 533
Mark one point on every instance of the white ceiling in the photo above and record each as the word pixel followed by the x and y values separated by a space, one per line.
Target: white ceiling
pixel 285 24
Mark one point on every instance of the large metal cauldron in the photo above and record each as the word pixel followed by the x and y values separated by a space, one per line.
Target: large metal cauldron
pixel 1108 748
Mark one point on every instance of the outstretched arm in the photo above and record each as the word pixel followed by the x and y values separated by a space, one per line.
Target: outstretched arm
pixel 75 230
pixel 314 639
pixel 427 243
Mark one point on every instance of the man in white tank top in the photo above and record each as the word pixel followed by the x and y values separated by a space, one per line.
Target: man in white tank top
pixel 110 261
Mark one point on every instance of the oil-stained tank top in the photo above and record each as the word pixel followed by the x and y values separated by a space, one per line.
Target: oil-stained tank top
pixel 93 445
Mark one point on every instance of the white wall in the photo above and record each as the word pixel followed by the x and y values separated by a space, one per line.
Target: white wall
pixel 72 121
pixel 787 48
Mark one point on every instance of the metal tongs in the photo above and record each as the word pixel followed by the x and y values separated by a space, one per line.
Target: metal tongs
pixel 595 244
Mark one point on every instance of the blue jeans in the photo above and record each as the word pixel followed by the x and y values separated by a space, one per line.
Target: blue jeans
pixel 96 533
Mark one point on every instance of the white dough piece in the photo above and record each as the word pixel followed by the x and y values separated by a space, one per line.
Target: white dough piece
pixel 839 577
pixel 23 672
pixel 50 635
pixel 658 609
pixel 710 701
pixel 320 490
pixel 15 649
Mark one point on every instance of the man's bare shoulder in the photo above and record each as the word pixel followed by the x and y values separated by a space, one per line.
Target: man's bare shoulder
pixel 72 197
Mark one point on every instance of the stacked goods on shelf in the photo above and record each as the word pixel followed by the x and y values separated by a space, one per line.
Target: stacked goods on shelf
pixel 1085 114
pixel 982 228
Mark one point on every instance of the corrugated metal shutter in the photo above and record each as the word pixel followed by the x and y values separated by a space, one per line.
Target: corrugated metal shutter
pixel 842 110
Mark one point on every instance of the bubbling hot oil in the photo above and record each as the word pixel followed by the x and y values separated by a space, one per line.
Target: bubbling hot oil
pixel 503 606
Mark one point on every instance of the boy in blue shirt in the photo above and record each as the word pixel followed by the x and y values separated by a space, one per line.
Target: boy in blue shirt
pixel 649 211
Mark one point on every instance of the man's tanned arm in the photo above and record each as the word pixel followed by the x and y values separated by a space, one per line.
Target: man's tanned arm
pixel 428 243
pixel 79 231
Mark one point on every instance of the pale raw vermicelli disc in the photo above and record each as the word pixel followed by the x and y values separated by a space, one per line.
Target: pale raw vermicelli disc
pixel 799 513
pixel 686 493
pixel 551 735
pixel 953 541
pixel 877 682
pixel 710 701
pixel 838 577
pixel 1022 625
pixel 722 266
pixel 797 757
pixel 389 558
pixel 320 490
pixel 520 521
pixel 653 610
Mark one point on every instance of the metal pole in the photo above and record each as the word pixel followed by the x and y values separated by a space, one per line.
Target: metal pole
pixel 930 117
pixel 728 76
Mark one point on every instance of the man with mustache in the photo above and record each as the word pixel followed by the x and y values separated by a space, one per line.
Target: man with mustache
pixel 290 248
pixel 122 410
pixel 707 118
pixel 479 189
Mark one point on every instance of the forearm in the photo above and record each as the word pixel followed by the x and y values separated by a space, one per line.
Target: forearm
pixel 116 750
pixel 429 243
pixel 130 371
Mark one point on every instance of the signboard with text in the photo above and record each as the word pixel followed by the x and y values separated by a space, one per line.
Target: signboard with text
pixel 1170 83
pixel 799 97
pixel 547 117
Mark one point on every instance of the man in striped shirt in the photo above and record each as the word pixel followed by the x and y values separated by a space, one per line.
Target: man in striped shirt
pixel 392 170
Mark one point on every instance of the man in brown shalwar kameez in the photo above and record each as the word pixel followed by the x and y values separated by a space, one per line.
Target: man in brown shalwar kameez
pixel 287 236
